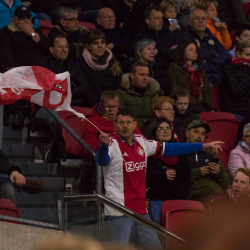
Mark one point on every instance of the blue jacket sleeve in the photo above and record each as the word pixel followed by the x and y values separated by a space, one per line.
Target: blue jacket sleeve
pixel 178 149
pixel 102 156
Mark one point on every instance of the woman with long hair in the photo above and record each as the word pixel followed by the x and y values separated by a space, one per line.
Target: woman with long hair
pixel 167 178
pixel 187 72
pixel 102 70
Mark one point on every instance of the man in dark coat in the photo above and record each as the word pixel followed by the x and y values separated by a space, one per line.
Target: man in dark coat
pixel 166 42
pixel 211 50
pixel 68 26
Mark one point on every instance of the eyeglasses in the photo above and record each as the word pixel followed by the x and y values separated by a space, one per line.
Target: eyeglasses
pixel 107 108
pixel 168 110
pixel 161 129
pixel 108 17
pixel 72 19
pixel 247 136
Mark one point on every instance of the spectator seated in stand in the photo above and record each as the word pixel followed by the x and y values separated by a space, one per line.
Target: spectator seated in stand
pixel 188 72
pixel 236 82
pixel 68 25
pixel 166 42
pixel 184 9
pixel 129 14
pixel 242 33
pixel 183 111
pixel 211 50
pixel 209 179
pixel 58 62
pixel 240 189
pixel 118 40
pixel 239 157
pixel 21 45
pixel 145 52
pixel 102 70
pixel 169 10
pixel 217 28
pixel 7 9
pixel 231 12
pixel 167 178
pixel 163 107
pixel 138 92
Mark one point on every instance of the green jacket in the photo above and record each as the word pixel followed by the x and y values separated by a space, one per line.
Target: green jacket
pixel 209 183
pixel 140 106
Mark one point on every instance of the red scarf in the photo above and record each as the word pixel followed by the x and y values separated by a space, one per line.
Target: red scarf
pixel 243 61
pixel 175 135
pixel 195 82
pixel 166 159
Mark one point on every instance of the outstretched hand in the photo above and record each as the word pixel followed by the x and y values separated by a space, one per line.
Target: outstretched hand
pixel 212 146
pixel 105 140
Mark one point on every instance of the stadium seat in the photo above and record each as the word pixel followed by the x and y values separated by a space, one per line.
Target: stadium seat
pixel 90 26
pixel 216 99
pixel 8 208
pixel 45 26
pixel 77 125
pixel 182 217
pixel 246 8
pixel 224 127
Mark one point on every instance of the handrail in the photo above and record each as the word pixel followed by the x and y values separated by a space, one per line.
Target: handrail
pixel 126 211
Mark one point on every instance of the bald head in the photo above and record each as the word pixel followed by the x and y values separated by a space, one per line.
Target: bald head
pixel 106 18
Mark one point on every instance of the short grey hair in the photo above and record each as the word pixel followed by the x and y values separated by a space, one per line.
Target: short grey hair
pixel 246 128
pixel 63 13
pixel 140 45
pixel 192 13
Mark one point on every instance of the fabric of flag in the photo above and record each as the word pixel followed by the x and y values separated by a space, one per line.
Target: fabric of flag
pixel 38 85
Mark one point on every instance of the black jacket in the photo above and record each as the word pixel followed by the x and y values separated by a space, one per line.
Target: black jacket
pixel 78 80
pixel 18 49
pixel 6 167
pixel 99 81
pixel 235 88
pixel 179 129
pixel 164 41
pixel 211 50
pixel 157 70
pixel 76 39
pixel 160 188
pixel 185 118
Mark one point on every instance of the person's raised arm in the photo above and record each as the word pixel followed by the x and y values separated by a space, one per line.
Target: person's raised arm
pixel 102 155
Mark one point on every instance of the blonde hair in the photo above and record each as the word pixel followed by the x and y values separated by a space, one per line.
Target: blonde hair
pixel 204 4
pixel 160 100
pixel 167 3
pixel 116 69
pixel 245 171
pixel 240 46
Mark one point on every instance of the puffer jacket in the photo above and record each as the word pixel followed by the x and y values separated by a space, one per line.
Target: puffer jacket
pixel 6 13
pixel 239 158
pixel 235 88
pixel 140 106
pixel 181 78
pixel 209 183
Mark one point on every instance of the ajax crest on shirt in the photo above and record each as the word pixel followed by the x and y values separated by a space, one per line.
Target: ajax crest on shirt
pixel 140 151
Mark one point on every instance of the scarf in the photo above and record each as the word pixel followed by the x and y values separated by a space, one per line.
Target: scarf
pixel 243 147
pixel 243 61
pixel 166 159
pixel 175 135
pixel 195 81
pixel 97 64
pixel 9 3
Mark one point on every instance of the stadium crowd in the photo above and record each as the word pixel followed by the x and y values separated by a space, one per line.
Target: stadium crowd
pixel 148 69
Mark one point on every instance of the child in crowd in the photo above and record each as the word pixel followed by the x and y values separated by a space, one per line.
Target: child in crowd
pixel 170 24
pixel 183 111
pixel 242 33
pixel 217 28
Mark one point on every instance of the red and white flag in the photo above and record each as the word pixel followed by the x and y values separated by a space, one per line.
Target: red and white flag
pixel 38 85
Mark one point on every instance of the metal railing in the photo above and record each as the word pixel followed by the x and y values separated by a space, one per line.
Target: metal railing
pixel 123 210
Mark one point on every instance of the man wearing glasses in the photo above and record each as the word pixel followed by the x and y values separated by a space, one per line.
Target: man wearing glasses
pixel 68 25
pixel 240 156
pixel 119 41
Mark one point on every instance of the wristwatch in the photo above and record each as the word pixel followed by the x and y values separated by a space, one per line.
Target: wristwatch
pixel 33 34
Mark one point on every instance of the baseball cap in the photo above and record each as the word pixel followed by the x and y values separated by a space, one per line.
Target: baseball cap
pixel 22 11
pixel 198 123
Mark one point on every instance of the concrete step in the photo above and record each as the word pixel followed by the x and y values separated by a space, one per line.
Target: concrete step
pixel 14 136
pixel 37 169
pixel 19 152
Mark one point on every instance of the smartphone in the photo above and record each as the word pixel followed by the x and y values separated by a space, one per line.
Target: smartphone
pixel 215 160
